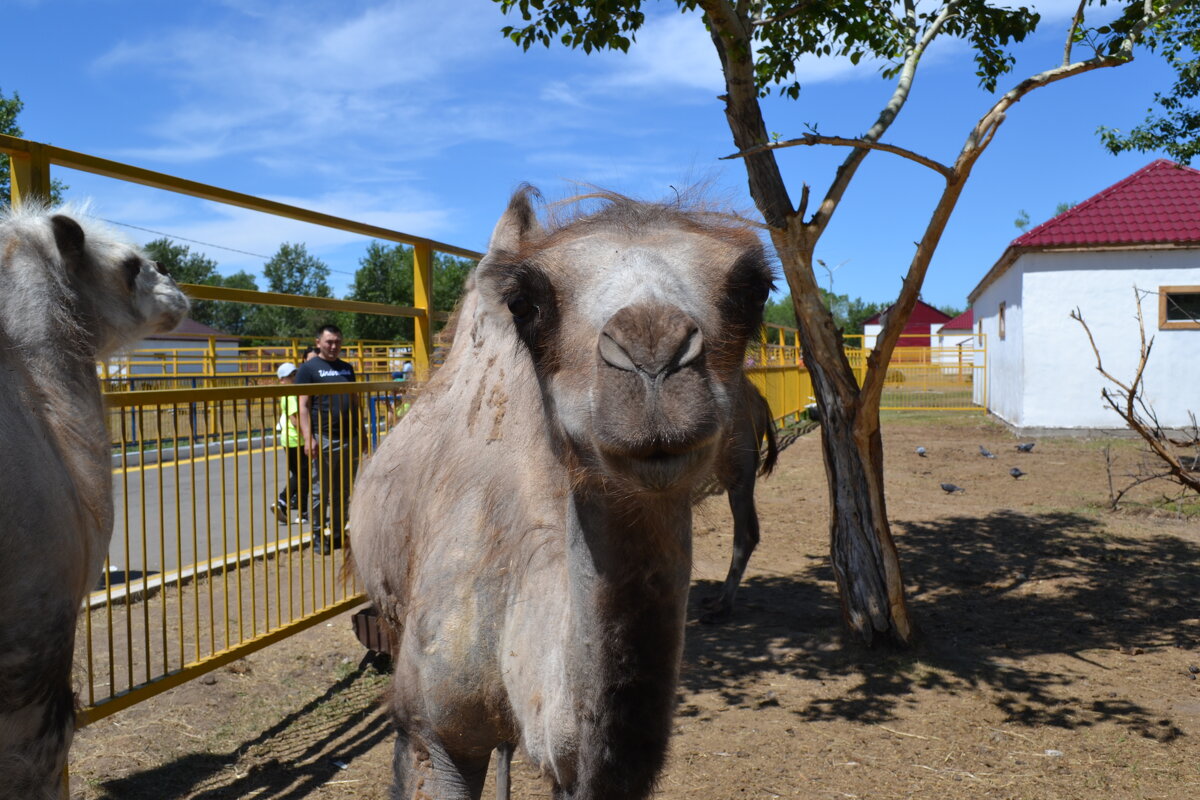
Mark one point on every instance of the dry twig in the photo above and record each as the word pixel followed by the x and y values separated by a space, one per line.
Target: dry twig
pixel 1129 404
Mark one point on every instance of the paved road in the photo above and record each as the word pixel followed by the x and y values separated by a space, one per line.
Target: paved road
pixel 179 514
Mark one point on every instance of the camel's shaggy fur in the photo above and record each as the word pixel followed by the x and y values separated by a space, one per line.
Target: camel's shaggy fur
pixel 526 530
pixel 71 293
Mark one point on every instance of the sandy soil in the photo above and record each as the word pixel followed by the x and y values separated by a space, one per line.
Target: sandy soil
pixel 1059 643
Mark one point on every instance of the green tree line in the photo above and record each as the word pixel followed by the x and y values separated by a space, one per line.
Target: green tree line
pixel 848 314
pixel 384 275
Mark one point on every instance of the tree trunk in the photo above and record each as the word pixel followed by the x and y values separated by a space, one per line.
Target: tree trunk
pixel 863 555
pixel 865 563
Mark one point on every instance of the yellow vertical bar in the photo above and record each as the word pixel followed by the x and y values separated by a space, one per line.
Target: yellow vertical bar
pixel 423 301
pixel 29 176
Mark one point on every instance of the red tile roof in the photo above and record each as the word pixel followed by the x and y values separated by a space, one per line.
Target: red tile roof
pixel 922 312
pixel 963 322
pixel 1158 204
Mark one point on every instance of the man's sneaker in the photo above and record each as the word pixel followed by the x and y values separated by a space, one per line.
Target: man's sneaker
pixel 280 510
pixel 320 544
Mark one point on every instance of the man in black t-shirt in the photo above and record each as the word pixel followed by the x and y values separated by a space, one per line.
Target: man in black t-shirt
pixel 331 433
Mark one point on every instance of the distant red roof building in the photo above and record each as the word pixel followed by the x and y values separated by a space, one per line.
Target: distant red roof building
pixel 963 322
pixel 921 323
pixel 1157 205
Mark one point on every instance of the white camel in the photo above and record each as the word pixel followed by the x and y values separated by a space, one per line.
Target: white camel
pixel 71 293
pixel 525 532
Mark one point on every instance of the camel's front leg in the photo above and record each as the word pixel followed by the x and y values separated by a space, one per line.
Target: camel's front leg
pixel 424 770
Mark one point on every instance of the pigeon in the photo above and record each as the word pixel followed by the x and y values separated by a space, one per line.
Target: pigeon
pixel 983 451
pixel 1027 447
pixel 921 452
pixel 950 488
pixel 1016 472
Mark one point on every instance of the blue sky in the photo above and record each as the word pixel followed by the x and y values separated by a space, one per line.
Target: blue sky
pixel 418 116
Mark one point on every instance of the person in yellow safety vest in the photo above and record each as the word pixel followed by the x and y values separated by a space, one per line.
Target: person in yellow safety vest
pixel 295 495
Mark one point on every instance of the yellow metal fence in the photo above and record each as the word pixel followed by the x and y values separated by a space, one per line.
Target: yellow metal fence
pixel 917 378
pixel 201 571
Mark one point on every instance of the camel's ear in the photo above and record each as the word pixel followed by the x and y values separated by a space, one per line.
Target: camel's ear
pixel 518 223
pixel 68 236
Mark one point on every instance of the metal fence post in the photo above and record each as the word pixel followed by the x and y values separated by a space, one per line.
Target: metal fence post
pixel 423 302
pixel 30 176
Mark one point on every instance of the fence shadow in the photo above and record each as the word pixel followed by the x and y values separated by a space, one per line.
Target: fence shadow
pixel 291 759
pixel 976 590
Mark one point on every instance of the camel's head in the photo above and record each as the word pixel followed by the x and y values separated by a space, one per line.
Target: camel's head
pixel 636 320
pixel 74 285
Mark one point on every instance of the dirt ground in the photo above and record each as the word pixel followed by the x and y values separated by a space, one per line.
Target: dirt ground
pixel 1059 647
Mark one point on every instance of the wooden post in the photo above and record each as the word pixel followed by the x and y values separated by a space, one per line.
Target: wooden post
pixel 423 302
pixel 30 176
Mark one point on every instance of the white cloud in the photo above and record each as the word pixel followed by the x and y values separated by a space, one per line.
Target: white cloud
pixel 253 82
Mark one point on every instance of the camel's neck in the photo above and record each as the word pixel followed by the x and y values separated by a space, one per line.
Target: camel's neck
pixel 64 395
pixel 630 566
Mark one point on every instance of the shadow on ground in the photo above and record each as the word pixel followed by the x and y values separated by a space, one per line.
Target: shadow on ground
pixel 992 595
pixel 288 761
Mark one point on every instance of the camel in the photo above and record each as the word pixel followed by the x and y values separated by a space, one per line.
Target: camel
pixel 72 294
pixel 741 464
pixel 525 531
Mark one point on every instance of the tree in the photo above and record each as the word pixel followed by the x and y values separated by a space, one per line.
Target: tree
pixel 293 270
pixel 10 109
pixel 1174 126
pixel 759 44
pixel 188 267
pixel 385 275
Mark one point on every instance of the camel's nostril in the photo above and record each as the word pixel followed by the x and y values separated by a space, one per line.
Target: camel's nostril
pixel 691 348
pixel 615 356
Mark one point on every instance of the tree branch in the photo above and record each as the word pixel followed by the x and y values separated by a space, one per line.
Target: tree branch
pixel 795 10
pixel 1071 31
pixel 842 141
pixel 732 39
pixel 1145 422
pixel 899 97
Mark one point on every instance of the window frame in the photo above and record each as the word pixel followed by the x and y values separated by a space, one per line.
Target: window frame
pixel 1165 324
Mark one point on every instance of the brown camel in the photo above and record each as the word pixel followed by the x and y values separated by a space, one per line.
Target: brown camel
pixel 72 294
pixel 742 463
pixel 525 532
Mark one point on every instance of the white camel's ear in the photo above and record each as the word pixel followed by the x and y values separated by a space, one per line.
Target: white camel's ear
pixel 68 237
pixel 518 223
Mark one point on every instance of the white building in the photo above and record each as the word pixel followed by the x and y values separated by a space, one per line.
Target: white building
pixel 1143 231
pixel 957 345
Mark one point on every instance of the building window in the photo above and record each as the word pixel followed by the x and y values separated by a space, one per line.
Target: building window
pixel 1002 305
pixel 1178 307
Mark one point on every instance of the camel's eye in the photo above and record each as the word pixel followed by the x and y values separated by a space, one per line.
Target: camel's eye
pixel 132 265
pixel 520 307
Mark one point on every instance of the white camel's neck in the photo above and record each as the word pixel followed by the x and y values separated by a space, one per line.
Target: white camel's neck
pixel 67 401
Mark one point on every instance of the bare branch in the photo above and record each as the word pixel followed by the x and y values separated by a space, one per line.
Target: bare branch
pixel 810 139
pixel 1136 412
